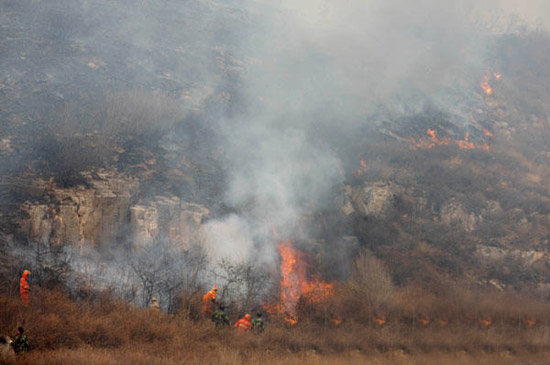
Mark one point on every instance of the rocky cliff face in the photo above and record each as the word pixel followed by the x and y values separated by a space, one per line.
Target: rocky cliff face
pixel 107 211
pixel 79 215
pixel 380 198
pixel 167 218
pixel 453 214
pixel 371 199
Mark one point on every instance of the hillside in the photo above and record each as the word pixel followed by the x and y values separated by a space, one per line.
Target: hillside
pixel 152 150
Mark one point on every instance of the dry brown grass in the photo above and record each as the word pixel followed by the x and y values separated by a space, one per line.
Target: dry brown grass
pixel 108 331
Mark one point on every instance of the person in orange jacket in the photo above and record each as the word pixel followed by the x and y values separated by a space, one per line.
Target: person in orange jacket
pixel 24 287
pixel 243 325
pixel 208 302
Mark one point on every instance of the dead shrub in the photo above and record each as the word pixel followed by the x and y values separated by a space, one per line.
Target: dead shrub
pixel 56 322
pixel 189 304
pixel 369 288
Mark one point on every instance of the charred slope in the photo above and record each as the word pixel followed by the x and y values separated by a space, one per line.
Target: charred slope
pixel 85 86
pixel 433 191
pixel 439 198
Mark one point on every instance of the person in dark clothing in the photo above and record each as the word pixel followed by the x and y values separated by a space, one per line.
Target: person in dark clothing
pixel 20 343
pixel 258 323
pixel 220 318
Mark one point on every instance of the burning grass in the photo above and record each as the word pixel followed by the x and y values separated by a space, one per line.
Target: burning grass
pixel 295 285
pixel 65 330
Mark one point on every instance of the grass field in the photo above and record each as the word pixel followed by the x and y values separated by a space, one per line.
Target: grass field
pixel 63 330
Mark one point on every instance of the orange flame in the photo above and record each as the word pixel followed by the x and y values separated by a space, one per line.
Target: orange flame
pixel 433 141
pixel 336 320
pixel 485 85
pixel 291 319
pixel 485 82
pixel 361 171
pixel 379 320
pixel 465 144
pixel 424 320
pixel 294 284
pixel 485 322
pixel 529 322
pixel 291 275
pixel 487 132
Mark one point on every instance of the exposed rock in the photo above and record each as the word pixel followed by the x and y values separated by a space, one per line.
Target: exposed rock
pixel 192 218
pixel 493 207
pixel 104 212
pixel 372 199
pixel 453 214
pixel 495 254
pixel 144 221
pixel 79 215
pixel 497 284
pixel 417 207
pixel 379 198
pixel 167 218
pixel 5 146
pixel 347 206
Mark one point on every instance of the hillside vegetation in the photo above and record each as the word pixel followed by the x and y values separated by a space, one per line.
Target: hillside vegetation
pixel 63 329
pixel 429 221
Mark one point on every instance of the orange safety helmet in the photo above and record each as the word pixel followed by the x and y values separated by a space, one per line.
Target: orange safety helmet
pixel 247 316
pixel 215 288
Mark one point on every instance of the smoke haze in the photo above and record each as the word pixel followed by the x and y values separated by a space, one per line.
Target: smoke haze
pixel 319 67
pixel 281 83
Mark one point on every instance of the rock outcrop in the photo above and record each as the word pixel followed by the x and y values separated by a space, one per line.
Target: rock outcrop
pixel 453 214
pixel 371 199
pixel 106 212
pixel 167 218
pixel 92 215
pixel 379 198
pixel 489 254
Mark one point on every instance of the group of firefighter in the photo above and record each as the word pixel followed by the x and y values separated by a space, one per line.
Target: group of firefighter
pixel 209 302
pixel 220 318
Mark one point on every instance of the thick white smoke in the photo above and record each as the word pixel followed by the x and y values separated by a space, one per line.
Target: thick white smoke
pixel 311 61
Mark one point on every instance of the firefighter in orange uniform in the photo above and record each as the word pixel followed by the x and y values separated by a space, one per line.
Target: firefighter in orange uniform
pixel 208 302
pixel 24 288
pixel 243 325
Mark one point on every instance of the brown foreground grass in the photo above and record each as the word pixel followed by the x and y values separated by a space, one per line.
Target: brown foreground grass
pixel 107 331
pixel 130 356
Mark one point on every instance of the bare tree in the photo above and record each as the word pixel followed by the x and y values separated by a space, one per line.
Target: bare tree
pixel 195 260
pixel 167 272
pixel 51 265
pixel 242 282
pixel 157 268
pixel 255 280
pixel 193 265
